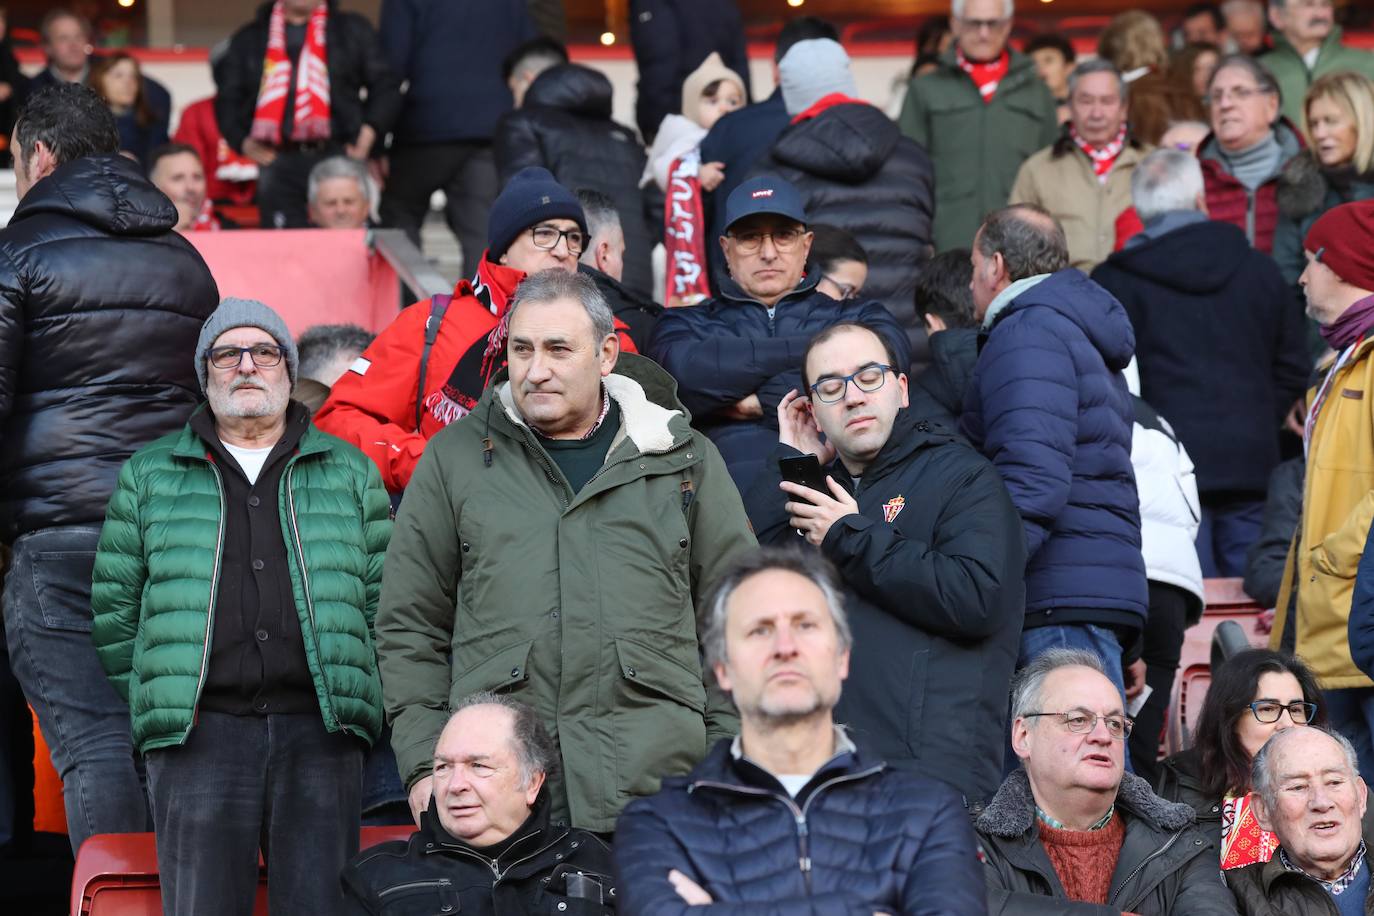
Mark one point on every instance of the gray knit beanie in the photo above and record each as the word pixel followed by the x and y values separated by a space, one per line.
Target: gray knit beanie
pixel 244 313
pixel 811 70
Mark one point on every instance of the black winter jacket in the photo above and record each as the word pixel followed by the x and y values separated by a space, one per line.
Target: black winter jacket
pixel 525 875
pixel 1180 780
pixel 356 63
pixel 1165 867
pixel 728 348
pixel 858 838
pixel 671 38
pixel 101 304
pixel 937 394
pixel 1268 555
pixel 565 126
pixel 451 54
pixel 856 171
pixel 638 313
pixel 935 598
pixel 1219 340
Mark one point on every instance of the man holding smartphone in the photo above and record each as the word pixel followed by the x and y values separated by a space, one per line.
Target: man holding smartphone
pixel 929 549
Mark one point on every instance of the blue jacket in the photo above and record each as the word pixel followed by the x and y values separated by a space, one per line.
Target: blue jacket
pixel 452 53
pixel 858 838
pixel 1047 404
pixel 1360 630
pixel 728 348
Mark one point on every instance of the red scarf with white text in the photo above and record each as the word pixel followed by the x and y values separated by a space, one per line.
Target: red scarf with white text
pixel 1102 157
pixel 684 235
pixel 311 119
pixel 986 76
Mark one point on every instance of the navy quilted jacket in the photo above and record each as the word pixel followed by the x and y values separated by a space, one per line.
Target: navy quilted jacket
pixel 859 838
pixel 1047 404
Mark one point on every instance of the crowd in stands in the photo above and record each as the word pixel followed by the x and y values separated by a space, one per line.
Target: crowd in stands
pixel 797 506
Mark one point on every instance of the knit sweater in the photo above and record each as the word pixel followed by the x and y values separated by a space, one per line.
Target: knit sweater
pixel 1084 859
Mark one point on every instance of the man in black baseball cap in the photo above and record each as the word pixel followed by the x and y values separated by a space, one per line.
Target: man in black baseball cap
pixel 737 356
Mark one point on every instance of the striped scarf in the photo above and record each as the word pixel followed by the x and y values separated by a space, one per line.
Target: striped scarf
pixel 1102 157
pixel 311 119
pixel 986 76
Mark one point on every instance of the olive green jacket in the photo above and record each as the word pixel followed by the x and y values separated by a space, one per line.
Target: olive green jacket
pixel 584 605
pixel 1294 78
pixel 976 146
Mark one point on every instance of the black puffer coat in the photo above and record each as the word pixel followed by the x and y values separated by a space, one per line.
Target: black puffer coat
pixel 855 170
pixel 356 62
pixel 565 126
pixel 100 307
pixel 937 394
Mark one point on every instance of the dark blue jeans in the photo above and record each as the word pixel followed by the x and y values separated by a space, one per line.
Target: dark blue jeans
pixel 278 783
pixel 1227 529
pixel 47 606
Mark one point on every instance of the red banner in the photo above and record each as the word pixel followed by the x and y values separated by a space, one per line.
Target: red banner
pixel 684 239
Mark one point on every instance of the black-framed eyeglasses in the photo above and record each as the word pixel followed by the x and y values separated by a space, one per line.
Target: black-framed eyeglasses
pixel 783 239
pixel 870 378
pixel 847 291
pixel 546 237
pixel 264 356
pixel 1270 711
pixel 1082 722
pixel 979 25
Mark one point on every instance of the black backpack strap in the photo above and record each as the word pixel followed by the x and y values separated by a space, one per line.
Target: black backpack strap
pixel 437 306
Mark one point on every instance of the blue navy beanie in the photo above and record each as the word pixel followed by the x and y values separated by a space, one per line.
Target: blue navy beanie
pixel 531 196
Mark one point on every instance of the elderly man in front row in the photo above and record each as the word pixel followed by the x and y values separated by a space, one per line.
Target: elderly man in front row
pixel 736 356
pixel 1071 833
pixel 486 844
pixel 1308 792
pixel 339 194
pixel 552 545
pixel 235 585
pixel 789 817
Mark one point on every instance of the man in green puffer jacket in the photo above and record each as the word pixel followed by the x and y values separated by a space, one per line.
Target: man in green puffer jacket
pixel 554 545
pixel 1307 45
pixel 235 585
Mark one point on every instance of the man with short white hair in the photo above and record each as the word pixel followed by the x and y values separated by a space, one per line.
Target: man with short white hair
pixel 340 194
pixel 1245 24
pixel 486 843
pixel 1188 282
pixel 981 113
pixel 789 816
pixel 1308 792
pixel 1307 45
pixel 1070 832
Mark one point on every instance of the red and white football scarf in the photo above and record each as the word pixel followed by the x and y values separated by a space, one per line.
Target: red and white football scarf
pixel 205 220
pixel 310 121
pixel 684 235
pixel 1102 157
pixel 986 76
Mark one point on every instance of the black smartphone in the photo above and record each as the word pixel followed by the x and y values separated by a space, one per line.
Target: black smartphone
pixel 805 470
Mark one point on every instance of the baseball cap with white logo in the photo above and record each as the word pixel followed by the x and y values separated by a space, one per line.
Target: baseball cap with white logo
pixel 764 194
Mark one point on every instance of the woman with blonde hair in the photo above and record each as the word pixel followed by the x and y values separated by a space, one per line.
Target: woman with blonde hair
pixel 1134 41
pixel 1336 168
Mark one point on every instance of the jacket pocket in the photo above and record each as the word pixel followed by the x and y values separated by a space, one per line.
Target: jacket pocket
pixel 419 898
pixel 916 701
pixel 659 717
pixel 502 672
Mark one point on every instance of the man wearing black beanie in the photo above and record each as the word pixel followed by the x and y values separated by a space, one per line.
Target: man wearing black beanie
pixel 430 365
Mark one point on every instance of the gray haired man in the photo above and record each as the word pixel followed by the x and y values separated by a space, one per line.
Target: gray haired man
pixel 486 844
pixel 1070 832
pixel 554 544
pixel 340 194
pixel 1308 791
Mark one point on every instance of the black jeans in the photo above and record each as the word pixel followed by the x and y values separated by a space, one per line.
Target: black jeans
pixel 465 171
pixel 1161 652
pixel 280 783
pixel 283 187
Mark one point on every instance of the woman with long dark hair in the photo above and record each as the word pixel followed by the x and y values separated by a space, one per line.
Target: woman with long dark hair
pixel 1254 694
pixel 118 80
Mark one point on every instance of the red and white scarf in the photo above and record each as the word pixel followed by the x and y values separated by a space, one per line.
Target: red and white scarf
pixel 310 121
pixel 684 235
pixel 986 76
pixel 1102 157
pixel 205 220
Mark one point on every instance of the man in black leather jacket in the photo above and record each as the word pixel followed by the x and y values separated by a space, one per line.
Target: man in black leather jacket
pixel 485 845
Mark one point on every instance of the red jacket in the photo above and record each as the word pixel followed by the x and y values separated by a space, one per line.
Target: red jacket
pixel 372 406
pixel 199 129
pixel 1254 213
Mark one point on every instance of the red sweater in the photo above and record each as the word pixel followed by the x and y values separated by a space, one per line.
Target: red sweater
pixel 1085 859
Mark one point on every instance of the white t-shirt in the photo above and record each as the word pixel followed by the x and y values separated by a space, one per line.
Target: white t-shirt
pixel 250 459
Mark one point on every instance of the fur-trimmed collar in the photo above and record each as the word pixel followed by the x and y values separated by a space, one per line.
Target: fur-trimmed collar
pixel 1011 813
pixel 644 423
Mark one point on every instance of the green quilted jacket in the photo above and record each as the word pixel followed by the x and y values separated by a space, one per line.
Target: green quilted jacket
pixel 157 568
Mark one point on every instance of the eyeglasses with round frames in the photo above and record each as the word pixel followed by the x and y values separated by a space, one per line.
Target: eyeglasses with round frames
pixel 870 378
pixel 264 356
pixel 1270 711
pixel 783 239
pixel 847 291
pixel 1082 722
pixel 1239 93
pixel 546 238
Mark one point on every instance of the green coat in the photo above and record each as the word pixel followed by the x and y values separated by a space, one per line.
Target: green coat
pixel 586 606
pixel 156 577
pixel 1293 76
pixel 977 147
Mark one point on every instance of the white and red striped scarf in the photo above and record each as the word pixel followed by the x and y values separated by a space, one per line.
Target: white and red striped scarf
pixel 1102 157
pixel 986 76
pixel 310 121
